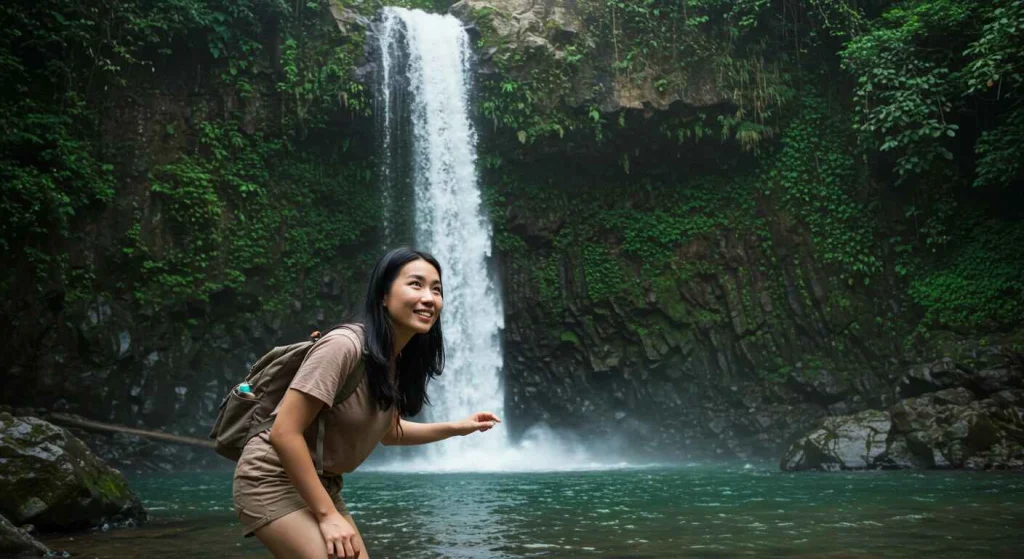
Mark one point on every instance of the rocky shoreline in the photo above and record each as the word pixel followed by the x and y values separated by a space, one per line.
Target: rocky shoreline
pixel 948 417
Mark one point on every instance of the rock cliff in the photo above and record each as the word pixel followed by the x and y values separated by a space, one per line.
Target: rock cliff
pixel 696 250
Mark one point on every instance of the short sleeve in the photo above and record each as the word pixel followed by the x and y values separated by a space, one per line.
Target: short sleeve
pixel 327 365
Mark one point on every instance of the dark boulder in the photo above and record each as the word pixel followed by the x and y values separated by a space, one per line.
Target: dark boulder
pixel 898 455
pixel 991 381
pixel 935 426
pixel 50 479
pixel 850 442
pixel 932 377
pixel 15 542
pixel 953 429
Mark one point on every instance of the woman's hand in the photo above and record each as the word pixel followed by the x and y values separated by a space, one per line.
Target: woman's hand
pixel 479 421
pixel 341 537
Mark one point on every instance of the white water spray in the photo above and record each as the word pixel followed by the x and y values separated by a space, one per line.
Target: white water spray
pixel 450 223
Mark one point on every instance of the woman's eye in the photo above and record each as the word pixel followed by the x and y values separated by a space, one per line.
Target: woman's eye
pixel 415 284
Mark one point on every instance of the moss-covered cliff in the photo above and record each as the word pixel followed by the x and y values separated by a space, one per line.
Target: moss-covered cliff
pixel 186 183
pixel 715 221
pixel 720 221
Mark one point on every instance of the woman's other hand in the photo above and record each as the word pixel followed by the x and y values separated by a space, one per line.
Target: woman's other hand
pixel 479 421
pixel 341 537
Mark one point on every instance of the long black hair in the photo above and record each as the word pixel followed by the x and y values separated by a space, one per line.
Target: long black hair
pixel 421 359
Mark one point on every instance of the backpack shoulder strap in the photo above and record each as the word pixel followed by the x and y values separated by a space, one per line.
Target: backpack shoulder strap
pixel 347 389
pixel 351 382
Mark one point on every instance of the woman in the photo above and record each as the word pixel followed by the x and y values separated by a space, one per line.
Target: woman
pixel 278 495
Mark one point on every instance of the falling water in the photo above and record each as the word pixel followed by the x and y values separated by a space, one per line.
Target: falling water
pixel 426 58
pixel 449 220
pixel 389 111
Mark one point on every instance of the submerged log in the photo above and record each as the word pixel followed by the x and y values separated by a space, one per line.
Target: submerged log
pixel 92 425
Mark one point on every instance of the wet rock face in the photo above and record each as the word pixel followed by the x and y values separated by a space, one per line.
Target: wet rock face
pixel 532 24
pixel 693 369
pixel 107 365
pixel 51 480
pixel 548 27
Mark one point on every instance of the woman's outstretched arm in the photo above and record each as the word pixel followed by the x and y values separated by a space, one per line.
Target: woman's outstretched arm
pixel 412 433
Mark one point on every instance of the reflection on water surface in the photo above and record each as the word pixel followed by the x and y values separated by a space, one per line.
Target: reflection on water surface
pixel 698 511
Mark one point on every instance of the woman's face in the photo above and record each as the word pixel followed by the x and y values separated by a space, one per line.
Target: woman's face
pixel 415 298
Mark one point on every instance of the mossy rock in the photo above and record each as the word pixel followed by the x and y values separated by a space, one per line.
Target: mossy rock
pixel 569 337
pixel 50 479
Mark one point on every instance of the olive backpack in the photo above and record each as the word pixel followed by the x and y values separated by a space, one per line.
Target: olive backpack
pixel 246 410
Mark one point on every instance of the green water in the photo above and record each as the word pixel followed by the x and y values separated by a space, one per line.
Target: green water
pixel 698 511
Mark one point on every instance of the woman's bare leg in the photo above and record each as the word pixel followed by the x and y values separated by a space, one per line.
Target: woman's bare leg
pixel 297 535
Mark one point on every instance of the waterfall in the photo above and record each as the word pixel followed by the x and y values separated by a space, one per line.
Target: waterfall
pixel 389 109
pixel 449 220
pixel 428 147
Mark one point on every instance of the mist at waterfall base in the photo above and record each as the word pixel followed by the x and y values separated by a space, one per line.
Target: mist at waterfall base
pixel 427 146
pixel 540 449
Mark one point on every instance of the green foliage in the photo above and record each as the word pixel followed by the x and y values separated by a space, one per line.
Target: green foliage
pixel 674 44
pixel 816 177
pixel 217 216
pixel 569 337
pixel 370 6
pixel 243 205
pixel 931 78
pixel 649 35
pixel 192 207
pixel 670 47
pixel 604 275
pixel 999 150
pixel 50 173
pixel 605 237
pixel 921 63
pixel 996 72
pixel 530 92
pixel 652 235
pixel 904 95
pixel 979 285
pixel 997 56
pixel 549 286
pixel 317 70
pixel 48 176
pixel 258 191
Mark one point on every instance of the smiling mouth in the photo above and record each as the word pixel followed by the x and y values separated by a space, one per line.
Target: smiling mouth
pixel 424 314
